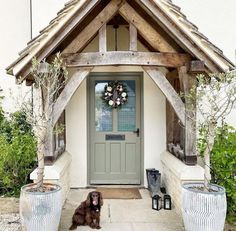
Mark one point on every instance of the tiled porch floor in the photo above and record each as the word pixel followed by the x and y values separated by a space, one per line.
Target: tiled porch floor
pixel 124 215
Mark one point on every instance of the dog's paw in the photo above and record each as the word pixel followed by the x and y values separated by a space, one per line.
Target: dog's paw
pixel 98 227
pixel 73 227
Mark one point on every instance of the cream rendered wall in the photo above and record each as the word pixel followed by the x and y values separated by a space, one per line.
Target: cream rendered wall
pixel 154 124
pixel 15 33
pixel 76 136
pixel 153 120
pixel 153 116
pixel 43 11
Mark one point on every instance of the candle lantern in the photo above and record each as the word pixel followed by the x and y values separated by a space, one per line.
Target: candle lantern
pixel 156 202
pixel 167 202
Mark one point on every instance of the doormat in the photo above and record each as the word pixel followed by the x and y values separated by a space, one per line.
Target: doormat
pixel 120 193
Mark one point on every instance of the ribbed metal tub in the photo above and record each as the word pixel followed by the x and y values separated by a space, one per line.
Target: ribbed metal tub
pixel 40 211
pixel 203 211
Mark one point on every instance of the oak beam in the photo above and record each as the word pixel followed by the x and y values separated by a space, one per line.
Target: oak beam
pixel 155 39
pixel 66 94
pixel 103 38
pixel 126 58
pixel 190 136
pixel 83 38
pixel 133 44
pixel 171 95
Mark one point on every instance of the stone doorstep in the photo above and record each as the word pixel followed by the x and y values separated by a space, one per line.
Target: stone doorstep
pixel 9 205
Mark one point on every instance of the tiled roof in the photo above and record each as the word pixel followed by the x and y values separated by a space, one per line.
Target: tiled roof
pixel 74 6
pixel 191 30
pixel 38 42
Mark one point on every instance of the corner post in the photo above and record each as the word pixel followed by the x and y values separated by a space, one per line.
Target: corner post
pixel 186 82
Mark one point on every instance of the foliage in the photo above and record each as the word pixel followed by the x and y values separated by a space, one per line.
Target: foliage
pixel 213 97
pixel 223 165
pixel 49 80
pixel 18 152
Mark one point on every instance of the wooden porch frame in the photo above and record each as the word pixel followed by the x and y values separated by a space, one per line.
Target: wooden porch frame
pixel 82 39
pixel 126 58
pixel 152 36
pixel 186 82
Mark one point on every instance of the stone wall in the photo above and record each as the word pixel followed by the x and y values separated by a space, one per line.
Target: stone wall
pixel 175 173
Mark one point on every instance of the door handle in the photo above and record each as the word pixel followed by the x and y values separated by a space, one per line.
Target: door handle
pixel 137 132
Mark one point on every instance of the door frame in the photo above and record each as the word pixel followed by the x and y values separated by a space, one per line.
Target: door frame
pixel 139 74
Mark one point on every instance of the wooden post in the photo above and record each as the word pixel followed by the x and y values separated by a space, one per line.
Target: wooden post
pixel 186 83
pixel 103 38
pixel 132 37
pixel 173 127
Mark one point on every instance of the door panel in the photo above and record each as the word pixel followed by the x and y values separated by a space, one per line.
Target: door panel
pixel 115 153
pixel 100 158
pixel 114 146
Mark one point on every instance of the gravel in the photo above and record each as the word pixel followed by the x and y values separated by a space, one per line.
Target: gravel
pixel 10 222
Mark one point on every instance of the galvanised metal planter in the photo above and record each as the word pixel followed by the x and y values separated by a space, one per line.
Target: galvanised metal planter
pixel 40 211
pixel 203 211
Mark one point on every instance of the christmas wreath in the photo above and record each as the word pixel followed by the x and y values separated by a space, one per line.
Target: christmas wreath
pixel 115 94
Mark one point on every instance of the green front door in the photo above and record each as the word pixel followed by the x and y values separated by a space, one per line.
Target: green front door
pixel 115 133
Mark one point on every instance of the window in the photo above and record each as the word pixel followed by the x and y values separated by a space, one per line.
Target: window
pixel 60 136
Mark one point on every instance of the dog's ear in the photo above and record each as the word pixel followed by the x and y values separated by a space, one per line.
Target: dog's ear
pixel 88 200
pixel 100 198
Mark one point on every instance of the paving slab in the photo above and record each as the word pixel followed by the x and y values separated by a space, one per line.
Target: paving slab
pixel 123 215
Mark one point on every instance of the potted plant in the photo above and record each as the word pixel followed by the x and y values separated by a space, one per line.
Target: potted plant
pixel 204 204
pixel 41 203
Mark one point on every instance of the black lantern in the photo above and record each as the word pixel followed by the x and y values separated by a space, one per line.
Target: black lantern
pixel 156 202
pixel 167 202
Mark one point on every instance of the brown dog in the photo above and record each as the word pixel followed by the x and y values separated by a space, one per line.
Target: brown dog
pixel 88 213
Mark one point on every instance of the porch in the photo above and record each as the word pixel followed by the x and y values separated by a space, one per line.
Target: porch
pixel 174 174
pixel 125 215
pixel 151 38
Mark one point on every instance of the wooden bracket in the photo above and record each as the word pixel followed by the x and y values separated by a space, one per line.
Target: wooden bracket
pixel 196 66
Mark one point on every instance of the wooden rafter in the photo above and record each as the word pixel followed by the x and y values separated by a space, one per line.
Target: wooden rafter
pixel 152 36
pixel 82 39
pixel 66 94
pixel 126 58
pixel 171 95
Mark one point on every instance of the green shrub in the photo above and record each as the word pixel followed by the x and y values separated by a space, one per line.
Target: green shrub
pixel 18 153
pixel 223 166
